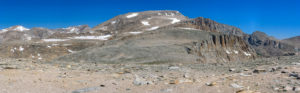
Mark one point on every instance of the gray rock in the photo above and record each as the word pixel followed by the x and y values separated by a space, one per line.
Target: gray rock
pixel 259 71
pixel 234 85
pixel 83 90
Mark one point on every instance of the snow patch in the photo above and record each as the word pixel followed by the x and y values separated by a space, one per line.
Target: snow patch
pixel 40 58
pixel 113 22
pixel 174 20
pixel 54 40
pixel 70 51
pixel 146 23
pixel 20 28
pixel 135 33
pixel 236 52
pixel 247 54
pixel 105 37
pixel 49 46
pixel 21 48
pixel 3 30
pixel 132 15
pixel 188 28
pixel 158 13
pixel 228 52
pixel 12 50
pixel 153 28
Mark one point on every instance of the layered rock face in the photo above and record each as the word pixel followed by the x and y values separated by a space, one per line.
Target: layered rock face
pixel 206 24
pixel 172 45
pixel 268 46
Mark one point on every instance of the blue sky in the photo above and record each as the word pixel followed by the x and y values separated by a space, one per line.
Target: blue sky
pixel 279 18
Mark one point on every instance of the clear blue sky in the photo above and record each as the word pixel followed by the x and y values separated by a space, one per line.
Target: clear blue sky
pixel 279 18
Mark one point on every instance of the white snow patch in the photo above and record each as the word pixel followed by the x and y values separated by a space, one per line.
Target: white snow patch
pixel 132 15
pixel 158 13
pixel 236 52
pixel 3 30
pixel 54 40
pixel 146 23
pixel 247 54
pixel 188 28
pixel 228 52
pixel 153 28
pixel 70 51
pixel 174 20
pixel 135 33
pixel 113 22
pixel 12 50
pixel 49 46
pixel 21 48
pixel 40 58
pixel 105 37
pixel 20 28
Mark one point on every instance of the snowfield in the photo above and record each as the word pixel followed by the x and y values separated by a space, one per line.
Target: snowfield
pixel 153 28
pixel 174 20
pixel 132 15
pixel 21 28
pixel 105 37
pixel 135 33
pixel 247 54
pixel 54 40
pixel 146 23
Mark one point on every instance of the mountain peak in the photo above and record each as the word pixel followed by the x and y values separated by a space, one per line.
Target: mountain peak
pixel 15 28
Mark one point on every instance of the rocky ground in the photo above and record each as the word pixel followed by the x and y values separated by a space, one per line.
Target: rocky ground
pixel 265 75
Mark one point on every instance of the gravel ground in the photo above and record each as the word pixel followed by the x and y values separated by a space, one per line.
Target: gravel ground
pixel 265 75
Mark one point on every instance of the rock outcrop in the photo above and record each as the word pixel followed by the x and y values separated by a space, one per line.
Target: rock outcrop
pixel 206 24
pixel 265 45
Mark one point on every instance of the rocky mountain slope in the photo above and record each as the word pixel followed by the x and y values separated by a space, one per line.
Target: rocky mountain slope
pixel 269 46
pixel 293 41
pixel 172 45
pixel 166 36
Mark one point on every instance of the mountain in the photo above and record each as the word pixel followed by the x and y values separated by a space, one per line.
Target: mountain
pixel 293 41
pixel 139 21
pixel 15 28
pixel 46 44
pixel 165 36
pixel 269 46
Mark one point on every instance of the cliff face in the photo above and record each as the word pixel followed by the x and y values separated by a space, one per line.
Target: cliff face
pixel 222 47
pixel 268 46
pixel 206 24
